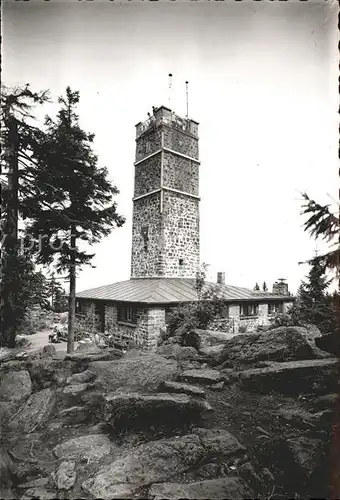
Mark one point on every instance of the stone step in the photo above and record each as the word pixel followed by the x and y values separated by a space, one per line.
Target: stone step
pixel 201 376
pixel 181 388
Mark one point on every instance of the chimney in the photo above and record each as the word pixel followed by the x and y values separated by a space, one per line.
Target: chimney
pixel 221 278
pixel 280 287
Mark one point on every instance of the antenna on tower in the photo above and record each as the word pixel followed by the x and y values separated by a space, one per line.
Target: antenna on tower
pixel 170 88
pixel 187 96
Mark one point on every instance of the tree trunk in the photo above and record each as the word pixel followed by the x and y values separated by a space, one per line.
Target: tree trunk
pixel 72 296
pixel 10 242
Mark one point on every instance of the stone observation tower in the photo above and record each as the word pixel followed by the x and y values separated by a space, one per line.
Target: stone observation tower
pixel 165 229
pixel 165 253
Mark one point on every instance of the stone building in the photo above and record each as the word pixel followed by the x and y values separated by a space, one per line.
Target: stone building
pixel 165 245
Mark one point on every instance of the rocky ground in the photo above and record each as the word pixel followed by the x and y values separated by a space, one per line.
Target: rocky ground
pixel 252 416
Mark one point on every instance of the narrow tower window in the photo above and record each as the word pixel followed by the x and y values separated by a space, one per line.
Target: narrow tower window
pixel 145 236
pixel 181 262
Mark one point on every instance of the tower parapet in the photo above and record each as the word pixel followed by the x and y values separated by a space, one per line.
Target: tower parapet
pixel 164 116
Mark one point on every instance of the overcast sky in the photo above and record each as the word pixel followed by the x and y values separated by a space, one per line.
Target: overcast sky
pixel 262 84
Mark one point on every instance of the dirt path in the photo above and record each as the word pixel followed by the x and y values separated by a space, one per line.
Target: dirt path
pixel 39 339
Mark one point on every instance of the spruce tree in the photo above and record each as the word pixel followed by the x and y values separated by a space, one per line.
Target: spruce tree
pixel 256 287
pixel 19 142
pixel 313 304
pixel 264 287
pixel 76 199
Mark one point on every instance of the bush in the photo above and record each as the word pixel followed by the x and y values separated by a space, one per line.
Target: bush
pixel 282 320
pixel 242 329
pixel 190 316
pixel 191 339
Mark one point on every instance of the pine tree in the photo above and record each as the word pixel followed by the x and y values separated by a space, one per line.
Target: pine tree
pixel 60 300
pixel 322 223
pixel 256 287
pixel 264 287
pixel 57 295
pixel 19 139
pixel 75 204
pixel 313 304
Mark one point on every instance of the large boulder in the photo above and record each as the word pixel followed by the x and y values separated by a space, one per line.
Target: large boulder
pixel 219 489
pixel 15 386
pixel 81 378
pixel 138 370
pixel 64 477
pixel 48 351
pixel 157 461
pixel 48 370
pixel 135 410
pixel 87 346
pixel 90 356
pixel 280 344
pixel 90 448
pixel 211 337
pixel 317 376
pixel 34 413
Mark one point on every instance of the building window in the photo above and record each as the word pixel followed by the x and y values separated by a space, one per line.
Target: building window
pixel 145 236
pixel 181 262
pixel 127 314
pixel 249 310
pixel 275 308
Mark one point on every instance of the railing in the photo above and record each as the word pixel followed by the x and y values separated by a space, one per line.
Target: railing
pixel 170 119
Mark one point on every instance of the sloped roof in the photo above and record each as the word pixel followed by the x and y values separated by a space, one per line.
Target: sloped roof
pixel 169 290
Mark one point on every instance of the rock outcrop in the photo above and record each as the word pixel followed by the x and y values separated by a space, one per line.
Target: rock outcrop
pixel 15 386
pixel 133 410
pixel 89 447
pixel 34 413
pixel 138 370
pixel 279 344
pixel 293 377
pixel 157 461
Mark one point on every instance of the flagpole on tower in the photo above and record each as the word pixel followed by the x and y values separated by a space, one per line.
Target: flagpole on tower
pixel 170 89
pixel 187 97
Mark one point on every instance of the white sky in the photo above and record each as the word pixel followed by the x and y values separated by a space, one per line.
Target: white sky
pixel 263 86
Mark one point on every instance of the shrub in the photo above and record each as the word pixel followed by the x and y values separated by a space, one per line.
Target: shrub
pixel 191 339
pixel 242 329
pixel 190 316
pixel 282 320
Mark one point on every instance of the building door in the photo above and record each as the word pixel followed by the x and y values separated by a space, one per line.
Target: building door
pixel 100 317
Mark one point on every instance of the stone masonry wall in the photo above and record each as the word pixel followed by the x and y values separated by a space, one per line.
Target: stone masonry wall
pixel 180 173
pixel 145 333
pixel 138 333
pixel 148 175
pixel 148 143
pixel 171 236
pixel 146 214
pixel 180 141
pixel 249 323
pixel 181 235
pixel 156 317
